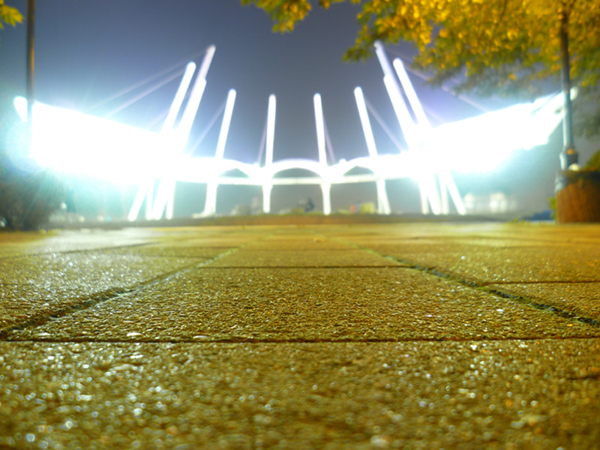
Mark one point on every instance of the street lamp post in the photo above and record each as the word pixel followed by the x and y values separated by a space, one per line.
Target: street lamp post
pixel 30 65
pixel 569 155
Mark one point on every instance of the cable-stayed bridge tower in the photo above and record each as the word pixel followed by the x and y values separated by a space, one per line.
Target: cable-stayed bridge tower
pixel 74 142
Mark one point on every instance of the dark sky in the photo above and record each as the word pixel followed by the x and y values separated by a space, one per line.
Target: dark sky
pixel 86 51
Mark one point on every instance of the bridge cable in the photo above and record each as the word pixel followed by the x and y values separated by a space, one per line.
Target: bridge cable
pixel 263 141
pixel 379 120
pixel 444 88
pixel 328 141
pixel 143 94
pixel 198 141
pixel 147 80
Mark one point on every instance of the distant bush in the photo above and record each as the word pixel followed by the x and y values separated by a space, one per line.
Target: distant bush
pixel 28 200
pixel 29 194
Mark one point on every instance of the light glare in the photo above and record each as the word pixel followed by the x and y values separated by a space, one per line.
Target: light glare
pixel 482 143
pixel 70 141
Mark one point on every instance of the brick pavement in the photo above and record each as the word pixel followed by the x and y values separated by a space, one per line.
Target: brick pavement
pixel 406 335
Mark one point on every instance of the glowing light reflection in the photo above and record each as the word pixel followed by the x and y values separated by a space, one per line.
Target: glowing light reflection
pixel 480 144
pixel 69 141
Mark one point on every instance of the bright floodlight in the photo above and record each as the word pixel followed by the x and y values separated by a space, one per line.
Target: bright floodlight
pixel 70 141
pixel 73 142
pixel 481 143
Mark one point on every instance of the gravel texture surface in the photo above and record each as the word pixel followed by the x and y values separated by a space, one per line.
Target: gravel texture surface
pixel 44 285
pixel 580 299
pixel 18 244
pixel 411 336
pixel 306 305
pixel 295 258
pixel 183 250
pixel 483 264
pixel 418 395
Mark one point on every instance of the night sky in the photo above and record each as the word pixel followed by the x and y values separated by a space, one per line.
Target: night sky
pixel 87 51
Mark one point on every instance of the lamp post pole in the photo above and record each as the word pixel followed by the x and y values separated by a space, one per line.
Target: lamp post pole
pixel 569 155
pixel 30 65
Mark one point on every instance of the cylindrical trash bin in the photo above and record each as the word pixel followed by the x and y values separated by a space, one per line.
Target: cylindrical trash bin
pixel 577 196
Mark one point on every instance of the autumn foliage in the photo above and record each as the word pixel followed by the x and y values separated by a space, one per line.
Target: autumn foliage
pixel 500 45
pixel 9 15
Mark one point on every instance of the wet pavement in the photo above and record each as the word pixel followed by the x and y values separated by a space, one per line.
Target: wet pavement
pixel 363 336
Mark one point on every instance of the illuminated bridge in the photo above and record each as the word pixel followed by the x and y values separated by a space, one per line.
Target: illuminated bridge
pixel 69 141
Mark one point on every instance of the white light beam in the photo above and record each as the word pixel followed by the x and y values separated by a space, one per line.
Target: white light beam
pixel 415 104
pixel 404 118
pixel 268 187
pixel 191 108
pixel 146 190
pixel 394 91
pixel 271 129
pixel 225 125
pixel 179 96
pixel 320 129
pixel 364 120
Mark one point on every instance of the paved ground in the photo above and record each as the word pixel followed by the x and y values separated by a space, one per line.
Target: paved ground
pixel 365 336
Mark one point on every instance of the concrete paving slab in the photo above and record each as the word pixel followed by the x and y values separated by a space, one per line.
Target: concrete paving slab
pixel 86 270
pixel 510 233
pixel 295 258
pixel 366 232
pixel 171 251
pixel 20 304
pixel 306 305
pixel 581 299
pixel 315 245
pixel 490 253
pixel 444 244
pixel 307 357
pixel 42 285
pixel 417 395
pixel 209 241
pixel 19 244
pixel 484 265
pixel 310 242
pixel 292 238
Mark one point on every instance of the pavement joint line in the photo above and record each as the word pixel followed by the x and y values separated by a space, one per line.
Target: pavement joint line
pixel 84 303
pixel 103 296
pixel 542 306
pixel 395 266
pixel 205 342
pixel 506 295
pixel 484 287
